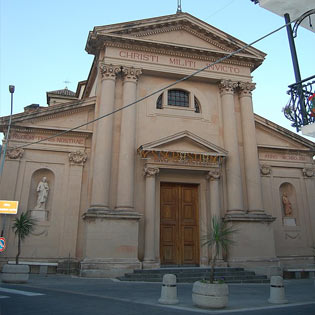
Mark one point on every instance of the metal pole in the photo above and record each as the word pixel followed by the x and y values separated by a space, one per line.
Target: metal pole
pixel 11 89
pixel 296 67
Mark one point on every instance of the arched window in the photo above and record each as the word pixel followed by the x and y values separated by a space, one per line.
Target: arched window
pixel 197 105
pixel 178 98
pixel 159 102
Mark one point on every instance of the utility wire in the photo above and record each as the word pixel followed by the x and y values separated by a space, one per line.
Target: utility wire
pixel 159 90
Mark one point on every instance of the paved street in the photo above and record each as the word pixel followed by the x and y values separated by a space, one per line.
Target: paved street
pixel 65 295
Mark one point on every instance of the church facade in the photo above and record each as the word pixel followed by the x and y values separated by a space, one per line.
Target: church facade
pixel 139 187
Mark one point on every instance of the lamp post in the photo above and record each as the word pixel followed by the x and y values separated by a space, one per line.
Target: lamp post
pixel 11 89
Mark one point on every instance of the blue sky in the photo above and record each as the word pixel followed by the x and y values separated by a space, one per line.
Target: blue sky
pixel 43 45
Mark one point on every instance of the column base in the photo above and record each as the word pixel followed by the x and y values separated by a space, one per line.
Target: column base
pixel 235 212
pixel 249 217
pixel 150 264
pixel 97 208
pixel 111 243
pixel 107 268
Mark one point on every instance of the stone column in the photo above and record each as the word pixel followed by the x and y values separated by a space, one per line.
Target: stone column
pixel 252 168
pixel 149 221
pixel 214 179
pixel 127 149
pixel 103 142
pixel 233 166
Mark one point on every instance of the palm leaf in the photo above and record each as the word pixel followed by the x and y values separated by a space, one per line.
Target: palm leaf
pixel 23 225
pixel 219 238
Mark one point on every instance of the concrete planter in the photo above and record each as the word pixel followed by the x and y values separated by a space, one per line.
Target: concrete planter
pixel 210 295
pixel 15 273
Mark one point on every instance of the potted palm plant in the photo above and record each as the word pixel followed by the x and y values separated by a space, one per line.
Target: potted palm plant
pixel 22 227
pixel 213 293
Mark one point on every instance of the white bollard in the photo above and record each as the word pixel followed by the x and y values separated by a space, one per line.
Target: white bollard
pixel 277 294
pixel 169 290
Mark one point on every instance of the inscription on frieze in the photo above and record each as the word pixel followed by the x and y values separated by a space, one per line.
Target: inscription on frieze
pixel 186 158
pixel 283 156
pixel 35 137
pixel 174 61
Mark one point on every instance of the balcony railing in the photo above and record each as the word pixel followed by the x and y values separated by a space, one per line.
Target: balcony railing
pixel 301 106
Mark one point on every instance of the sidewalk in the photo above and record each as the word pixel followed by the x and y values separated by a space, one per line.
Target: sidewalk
pixel 243 297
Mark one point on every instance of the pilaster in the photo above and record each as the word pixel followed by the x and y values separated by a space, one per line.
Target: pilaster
pixel 150 174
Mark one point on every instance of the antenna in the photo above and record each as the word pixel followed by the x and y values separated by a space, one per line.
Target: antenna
pixel 179 6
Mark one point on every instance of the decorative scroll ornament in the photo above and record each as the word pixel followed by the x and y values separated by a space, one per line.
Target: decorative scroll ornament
pixel 109 71
pixel 150 171
pixel 227 86
pixel 246 88
pixel 131 73
pixel 78 157
pixel 265 170
pixel 16 153
pixel 308 172
pixel 214 174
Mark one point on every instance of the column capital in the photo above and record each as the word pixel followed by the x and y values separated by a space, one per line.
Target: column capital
pixel 308 172
pixel 265 170
pixel 131 73
pixel 109 71
pixel 246 88
pixel 150 171
pixel 227 86
pixel 214 174
pixel 77 157
pixel 15 153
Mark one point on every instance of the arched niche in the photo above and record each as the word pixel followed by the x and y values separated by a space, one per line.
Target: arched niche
pixel 42 213
pixel 288 203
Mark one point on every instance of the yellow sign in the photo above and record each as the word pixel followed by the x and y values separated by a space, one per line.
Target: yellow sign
pixel 8 207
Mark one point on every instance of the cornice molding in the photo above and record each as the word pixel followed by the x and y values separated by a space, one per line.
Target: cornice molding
pixel 49 132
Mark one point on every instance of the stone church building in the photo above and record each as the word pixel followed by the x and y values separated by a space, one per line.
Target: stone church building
pixel 138 188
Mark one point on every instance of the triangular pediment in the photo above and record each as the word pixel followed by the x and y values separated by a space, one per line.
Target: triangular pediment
pixel 271 135
pixel 184 36
pixel 58 117
pixel 180 29
pixel 184 142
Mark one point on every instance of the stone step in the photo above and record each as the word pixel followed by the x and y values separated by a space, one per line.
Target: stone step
pixel 188 275
pixel 188 270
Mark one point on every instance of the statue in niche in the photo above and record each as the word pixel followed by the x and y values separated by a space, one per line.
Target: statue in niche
pixel 42 194
pixel 287 206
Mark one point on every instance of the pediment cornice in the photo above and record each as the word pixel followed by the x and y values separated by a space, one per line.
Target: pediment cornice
pixel 138 30
pixel 50 112
pixel 209 147
pixel 274 128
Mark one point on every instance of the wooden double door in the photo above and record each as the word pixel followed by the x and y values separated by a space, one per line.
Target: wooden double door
pixel 179 226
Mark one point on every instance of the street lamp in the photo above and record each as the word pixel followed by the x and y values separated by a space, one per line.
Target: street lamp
pixel 11 89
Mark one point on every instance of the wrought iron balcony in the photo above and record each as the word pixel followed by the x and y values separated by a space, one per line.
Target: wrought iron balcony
pixel 301 106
